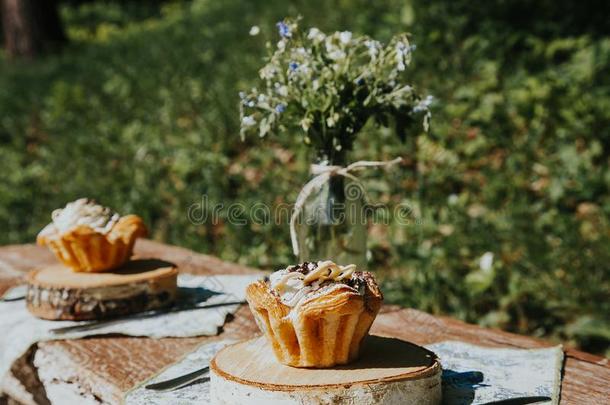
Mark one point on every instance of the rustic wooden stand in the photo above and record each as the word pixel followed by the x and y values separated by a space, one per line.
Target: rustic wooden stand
pixel 55 292
pixel 389 371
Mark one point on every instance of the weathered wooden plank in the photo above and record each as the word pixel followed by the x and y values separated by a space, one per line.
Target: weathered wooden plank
pixel 106 367
pixel 119 363
pixel 585 383
pixel 15 260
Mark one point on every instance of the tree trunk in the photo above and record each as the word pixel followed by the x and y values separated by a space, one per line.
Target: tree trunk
pixel 30 27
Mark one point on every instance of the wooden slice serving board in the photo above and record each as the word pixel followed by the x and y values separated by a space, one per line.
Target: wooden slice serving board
pixel 58 293
pixel 389 371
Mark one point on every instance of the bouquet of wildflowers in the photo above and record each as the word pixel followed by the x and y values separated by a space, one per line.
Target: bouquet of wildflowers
pixel 329 86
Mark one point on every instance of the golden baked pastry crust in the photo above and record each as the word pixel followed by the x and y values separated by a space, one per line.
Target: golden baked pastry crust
pixel 325 330
pixel 84 249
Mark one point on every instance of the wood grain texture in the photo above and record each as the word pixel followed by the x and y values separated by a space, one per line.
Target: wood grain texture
pixel 106 367
pixel 390 371
pixel 134 272
pixel 57 292
pixel 388 359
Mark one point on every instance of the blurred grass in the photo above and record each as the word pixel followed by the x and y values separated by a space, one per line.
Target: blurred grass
pixel 140 112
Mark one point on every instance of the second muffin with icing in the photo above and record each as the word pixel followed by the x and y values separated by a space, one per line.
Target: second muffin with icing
pixel 88 237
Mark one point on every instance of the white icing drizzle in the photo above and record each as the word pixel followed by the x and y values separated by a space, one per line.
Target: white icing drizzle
pixel 295 287
pixel 84 212
pixel 328 270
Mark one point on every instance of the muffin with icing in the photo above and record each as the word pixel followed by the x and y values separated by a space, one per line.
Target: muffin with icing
pixel 315 314
pixel 88 237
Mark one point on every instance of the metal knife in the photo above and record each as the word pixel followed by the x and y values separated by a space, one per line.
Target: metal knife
pixel 142 315
pixel 179 382
pixel 14 293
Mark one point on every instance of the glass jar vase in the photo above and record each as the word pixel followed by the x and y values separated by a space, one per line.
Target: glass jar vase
pixel 332 224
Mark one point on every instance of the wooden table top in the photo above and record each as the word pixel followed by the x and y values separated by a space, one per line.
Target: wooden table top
pixel 102 369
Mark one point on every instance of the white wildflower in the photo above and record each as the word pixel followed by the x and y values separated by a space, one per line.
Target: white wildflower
pixel 248 121
pixel 424 104
pixel 402 50
pixel 345 37
pixel 332 120
pixel 373 47
pixel 316 35
pixel 333 51
pixel 486 261
pixel 337 55
pixel 305 124
pixel 254 30
pixel 282 91
pixel 267 72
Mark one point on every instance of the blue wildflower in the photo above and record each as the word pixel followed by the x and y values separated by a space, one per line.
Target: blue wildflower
pixel 284 30
pixel 293 66
pixel 280 108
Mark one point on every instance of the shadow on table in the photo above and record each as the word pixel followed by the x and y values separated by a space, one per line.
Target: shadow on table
pixel 186 295
pixel 520 401
pixel 138 266
pixel 459 387
pixel 385 352
pixel 193 296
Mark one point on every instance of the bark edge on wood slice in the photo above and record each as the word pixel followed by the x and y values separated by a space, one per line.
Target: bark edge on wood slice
pixel 58 293
pixel 390 371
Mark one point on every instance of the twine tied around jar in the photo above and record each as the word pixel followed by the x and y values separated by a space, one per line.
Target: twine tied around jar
pixel 322 174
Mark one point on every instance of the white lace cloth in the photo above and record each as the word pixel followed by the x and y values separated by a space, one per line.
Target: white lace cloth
pixel 197 392
pixel 481 375
pixel 471 375
pixel 19 329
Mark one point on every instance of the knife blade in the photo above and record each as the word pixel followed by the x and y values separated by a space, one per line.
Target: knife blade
pixel 14 293
pixel 178 382
pixel 84 327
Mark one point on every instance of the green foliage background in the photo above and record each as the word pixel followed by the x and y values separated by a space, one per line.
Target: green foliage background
pixel 140 112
